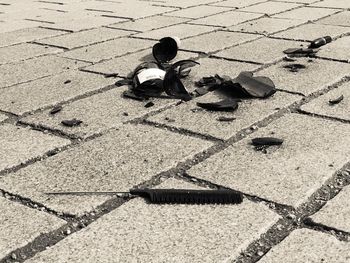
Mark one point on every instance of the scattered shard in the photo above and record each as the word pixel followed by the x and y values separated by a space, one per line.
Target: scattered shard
pixel 223 105
pixel 225 119
pixel 166 49
pixel 56 109
pixel 149 104
pixel 336 101
pixel 266 141
pixel 311 50
pixel 319 42
pixel 67 81
pixel 71 123
pixel 295 67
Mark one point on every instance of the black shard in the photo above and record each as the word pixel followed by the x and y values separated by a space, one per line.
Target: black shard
pixel 166 49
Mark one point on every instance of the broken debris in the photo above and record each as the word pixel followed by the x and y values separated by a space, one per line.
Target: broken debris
pixel 319 42
pixel 337 100
pixel 149 104
pixel 295 67
pixel 266 141
pixel 56 109
pixel 223 105
pixel 67 81
pixel 166 49
pixel 226 119
pixel 71 123
pixel 311 50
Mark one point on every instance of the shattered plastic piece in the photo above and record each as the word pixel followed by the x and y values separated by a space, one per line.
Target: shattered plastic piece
pixel 294 67
pixel 201 91
pixel 149 104
pixel 111 75
pixel 319 42
pixel 131 95
pixel 123 82
pixel 223 105
pixel 336 101
pixel 300 52
pixel 72 122
pixel 226 119
pixel 260 141
pixel 67 81
pixel 288 59
pixel 166 49
pixel 56 109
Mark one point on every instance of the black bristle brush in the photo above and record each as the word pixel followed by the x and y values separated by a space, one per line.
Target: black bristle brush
pixel 175 196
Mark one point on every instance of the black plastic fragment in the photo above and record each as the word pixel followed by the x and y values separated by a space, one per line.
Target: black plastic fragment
pixel 149 104
pixel 123 82
pixel 166 49
pixel 295 67
pixel 111 75
pixel 319 42
pixel 226 119
pixel 67 81
pixel 56 109
pixel 131 95
pixel 223 105
pixel 337 100
pixel 71 123
pixel 261 141
pixel 300 52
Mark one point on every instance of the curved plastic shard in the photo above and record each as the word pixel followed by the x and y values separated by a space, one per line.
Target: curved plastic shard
pixel 337 100
pixel 165 50
pixel 267 141
pixel 223 105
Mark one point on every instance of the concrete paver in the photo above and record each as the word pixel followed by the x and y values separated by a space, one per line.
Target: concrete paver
pixel 304 245
pixel 270 8
pixel 238 3
pixel 138 231
pixel 198 11
pixel 19 145
pixel 307 13
pixel 183 3
pixel 333 3
pixel 288 174
pixel 339 19
pixel 2 117
pixel 117 160
pixel 337 50
pixel 322 106
pixel 21 225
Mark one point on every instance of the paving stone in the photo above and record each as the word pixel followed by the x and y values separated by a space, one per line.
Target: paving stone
pixel 304 245
pixel 35 68
pixel 182 3
pixel 263 50
pixel 10 26
pixel 338 49
pixel 24 51
pixel 118 160
pixel 108 49
pixel 142 232
pixel 126 64
pixel 270 8
pixel 181 31
pixel 26 97
pixel 265 25
pixel 149 23
pixel 21 225
pixel 307 13
pixel 198 11
pixel 2 117
pixel 339 19
pixel 209 42
pixel 318 75
pixel 26 35
pixel 19 145
pixel 288 174
pixel 336 212
pixel 333 3
pixel 98 113
pixel 299 1
pixel 226 19
pixel 321 105
pixel 85 38
pixel 313 31
pixel 238 3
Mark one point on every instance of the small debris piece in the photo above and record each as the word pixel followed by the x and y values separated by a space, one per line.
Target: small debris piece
pixel 319 42
pixel 300 52
pixel 288 59
pixel 169 120
pixel 149 104
pixel 166 49
pixel 56 109
pixel 223 105
pixel 226 119
pixel 263 141
pixel 67 81
pixel 111 75
pixel 71 123
pixel 294 67
pixel 123 82
pixel 131 95
pixel 336 101
pixel 125 114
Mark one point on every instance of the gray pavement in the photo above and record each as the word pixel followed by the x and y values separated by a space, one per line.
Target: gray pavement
pixel 61 52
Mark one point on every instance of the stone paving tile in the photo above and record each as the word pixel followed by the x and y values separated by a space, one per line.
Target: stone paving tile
pixel 339 19
pixel 108 49
pixel 85 38
pixel 265 25
pixel 2 117
pixel 98 113
pixel 126 64
pixel 35 68
pixel 47 91
pixel 209 42
pixel 118 160
pixel 270 8
pixel 333 3
pixel 313 31
pixel 19 145
pixel 181 31
pixel 26 35
pixel 338 49
pixel 299 1
pixel 304 245
pixel 10 26
pixel 182 3
pixel 24 51
pixel 318 75
pixel 288 174
pixel 198 11
pixel 321 105
pixel 21 225
pixel 149 23
pixel 142 232
pixel 226 19
pixel 263 50
pixel 238 3
pixel 336 212
pixel 307 13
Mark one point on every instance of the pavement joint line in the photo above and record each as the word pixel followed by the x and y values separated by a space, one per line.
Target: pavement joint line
pixel 237 8
pixel 57 29
pixel 47 45
pixel 315 115
pixel 41 21
pixel 339 234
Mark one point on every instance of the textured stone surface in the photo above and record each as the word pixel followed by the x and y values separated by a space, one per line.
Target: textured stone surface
pixel 108 49
pixel 198 11
pixel 336 212
pixel 98 113
pixel 118 160
pixel 142 232
pixel 318 75
pixel 304 245
pixel 238 3
pixel 2 117
pixel 84 38
pixel 307 13
pixel 322 106
pixel 183 3
pixel 35 68
pixel 19 145
pixel 339 19
pixel 191 117
pixel 338 49
pixel 270 7
pixel 288 174
pixel 21 225
pixel 264 50
pixel 333 3
pixel 50 90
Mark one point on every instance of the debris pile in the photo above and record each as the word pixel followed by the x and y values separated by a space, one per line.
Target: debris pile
pixel 311 50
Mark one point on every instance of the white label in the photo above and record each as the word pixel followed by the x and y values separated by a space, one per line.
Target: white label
pixel 151 73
